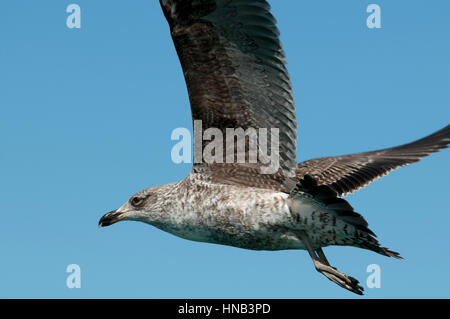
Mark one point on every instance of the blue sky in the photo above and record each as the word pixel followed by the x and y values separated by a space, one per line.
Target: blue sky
pixel 85 122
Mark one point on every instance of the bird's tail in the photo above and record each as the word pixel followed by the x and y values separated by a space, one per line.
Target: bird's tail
pixel 349 227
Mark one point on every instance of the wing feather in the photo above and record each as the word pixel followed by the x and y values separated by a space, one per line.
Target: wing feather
pixel 349 173
pixel 235 71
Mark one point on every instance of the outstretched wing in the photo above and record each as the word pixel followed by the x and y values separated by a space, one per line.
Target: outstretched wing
pixel 234 68
pixel 347 174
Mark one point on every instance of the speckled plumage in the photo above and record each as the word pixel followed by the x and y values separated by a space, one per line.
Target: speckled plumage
pixel 245 217
pixel 199 209
pixel 236 77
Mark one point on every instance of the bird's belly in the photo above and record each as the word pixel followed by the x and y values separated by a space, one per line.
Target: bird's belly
pixel 255 226
pixel 261 239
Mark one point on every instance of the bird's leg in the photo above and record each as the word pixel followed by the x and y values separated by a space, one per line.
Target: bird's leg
pixel 322 266
pixel 322 257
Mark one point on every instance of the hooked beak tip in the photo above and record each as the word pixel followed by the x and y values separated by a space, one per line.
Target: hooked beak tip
pixel 109 219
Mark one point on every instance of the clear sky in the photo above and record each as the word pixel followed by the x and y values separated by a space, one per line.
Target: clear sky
pixel 86 117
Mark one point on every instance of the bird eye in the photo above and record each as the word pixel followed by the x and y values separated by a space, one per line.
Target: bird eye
pixel 136 201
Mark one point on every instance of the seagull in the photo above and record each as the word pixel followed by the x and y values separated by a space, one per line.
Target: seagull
pixel 234 67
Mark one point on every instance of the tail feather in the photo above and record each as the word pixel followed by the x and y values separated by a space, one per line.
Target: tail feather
pixel 381 250
pixel 362 237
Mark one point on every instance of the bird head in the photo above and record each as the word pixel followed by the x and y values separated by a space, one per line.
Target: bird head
pixel 144 206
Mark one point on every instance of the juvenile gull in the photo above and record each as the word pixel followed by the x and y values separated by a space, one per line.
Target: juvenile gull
pixel 235 73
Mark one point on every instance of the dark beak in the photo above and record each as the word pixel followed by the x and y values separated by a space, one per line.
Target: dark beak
pixel 110 218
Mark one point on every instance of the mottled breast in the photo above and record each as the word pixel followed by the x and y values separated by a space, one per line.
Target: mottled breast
pixel 244 217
